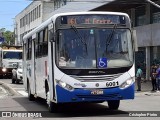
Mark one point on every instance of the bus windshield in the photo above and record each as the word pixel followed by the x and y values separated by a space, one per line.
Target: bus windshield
pixel 94 48
pixel 12 55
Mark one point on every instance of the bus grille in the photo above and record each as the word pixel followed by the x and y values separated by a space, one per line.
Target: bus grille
pixel 96 78
pixel 115 95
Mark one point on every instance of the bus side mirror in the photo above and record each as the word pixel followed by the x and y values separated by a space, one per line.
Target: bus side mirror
pixel 134 38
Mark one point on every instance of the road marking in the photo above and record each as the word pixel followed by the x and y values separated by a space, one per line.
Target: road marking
pixel 23 93
pixel 3 90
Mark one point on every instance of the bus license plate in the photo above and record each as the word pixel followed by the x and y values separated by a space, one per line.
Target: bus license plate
pixel 97 92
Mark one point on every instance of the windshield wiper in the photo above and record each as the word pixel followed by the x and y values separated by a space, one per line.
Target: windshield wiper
pixel 80 37
pixel 109 38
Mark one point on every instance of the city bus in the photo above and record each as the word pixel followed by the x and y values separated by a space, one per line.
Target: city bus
pixel 80 57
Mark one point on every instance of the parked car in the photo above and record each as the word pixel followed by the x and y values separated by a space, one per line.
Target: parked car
pixel 17 74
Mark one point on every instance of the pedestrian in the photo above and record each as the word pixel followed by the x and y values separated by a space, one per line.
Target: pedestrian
pixel 139 75
pixel 158 77
pixel 153 77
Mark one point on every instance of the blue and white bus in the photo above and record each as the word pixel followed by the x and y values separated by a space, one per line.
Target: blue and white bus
pixel 80 57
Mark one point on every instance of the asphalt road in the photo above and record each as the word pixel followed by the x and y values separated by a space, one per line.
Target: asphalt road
pixel 144 101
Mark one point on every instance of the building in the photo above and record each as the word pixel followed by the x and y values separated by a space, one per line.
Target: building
pixel 39 11
pixel 145 20
pixel 33 15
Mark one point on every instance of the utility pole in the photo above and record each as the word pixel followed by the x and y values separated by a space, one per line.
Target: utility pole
pixel 153 3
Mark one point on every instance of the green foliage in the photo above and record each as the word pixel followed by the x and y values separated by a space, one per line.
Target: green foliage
pixel 8 35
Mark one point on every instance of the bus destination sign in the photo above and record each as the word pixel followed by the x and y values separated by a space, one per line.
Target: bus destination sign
pixel 93 19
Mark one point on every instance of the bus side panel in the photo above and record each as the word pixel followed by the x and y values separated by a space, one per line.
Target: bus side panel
pixel 82 95
pixel 24 68
pixel 52 75
pixel 33 89
pixel 40 76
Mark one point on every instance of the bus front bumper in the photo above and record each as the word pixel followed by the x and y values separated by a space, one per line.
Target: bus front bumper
pixel 86 95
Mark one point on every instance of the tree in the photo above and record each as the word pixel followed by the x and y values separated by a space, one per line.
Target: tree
pixel 8 35
pixel 2 30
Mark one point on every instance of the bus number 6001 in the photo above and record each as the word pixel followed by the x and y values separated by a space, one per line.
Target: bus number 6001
pixel 112 84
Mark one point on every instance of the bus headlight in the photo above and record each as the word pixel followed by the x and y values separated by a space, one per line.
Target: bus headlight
pixel 127 83
pixel 4 69
pixel 64 85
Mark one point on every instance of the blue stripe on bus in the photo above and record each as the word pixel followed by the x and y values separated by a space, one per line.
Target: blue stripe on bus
pixel 82 95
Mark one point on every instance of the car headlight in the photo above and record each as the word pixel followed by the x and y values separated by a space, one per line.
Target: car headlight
pixel 64 85
pixel 127 83
pixel 4 69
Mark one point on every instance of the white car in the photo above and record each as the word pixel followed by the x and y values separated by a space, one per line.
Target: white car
pixel 17 74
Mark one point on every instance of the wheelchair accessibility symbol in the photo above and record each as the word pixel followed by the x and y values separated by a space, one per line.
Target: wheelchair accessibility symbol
pixel 102 62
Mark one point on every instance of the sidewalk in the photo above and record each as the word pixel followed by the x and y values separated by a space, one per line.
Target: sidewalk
pixel 146 87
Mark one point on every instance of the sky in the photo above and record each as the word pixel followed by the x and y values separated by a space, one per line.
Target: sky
pixel 9 9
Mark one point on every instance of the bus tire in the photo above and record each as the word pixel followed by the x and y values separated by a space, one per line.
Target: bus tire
pixel 30 96
pixel 113 104
pixel 53 107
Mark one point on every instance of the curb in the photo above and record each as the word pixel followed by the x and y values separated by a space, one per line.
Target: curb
pixel 148 93
pixel 8 88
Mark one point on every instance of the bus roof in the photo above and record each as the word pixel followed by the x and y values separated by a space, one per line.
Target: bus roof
pixel 53 18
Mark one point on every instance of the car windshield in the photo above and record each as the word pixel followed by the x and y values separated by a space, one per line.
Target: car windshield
pixel 12 55
pixel 94 48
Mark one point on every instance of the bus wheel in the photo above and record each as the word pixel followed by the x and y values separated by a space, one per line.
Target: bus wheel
pixel 30 96
pixel 52 107
pixel 113 104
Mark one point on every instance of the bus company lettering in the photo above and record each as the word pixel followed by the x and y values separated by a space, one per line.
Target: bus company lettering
pixel 96 72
